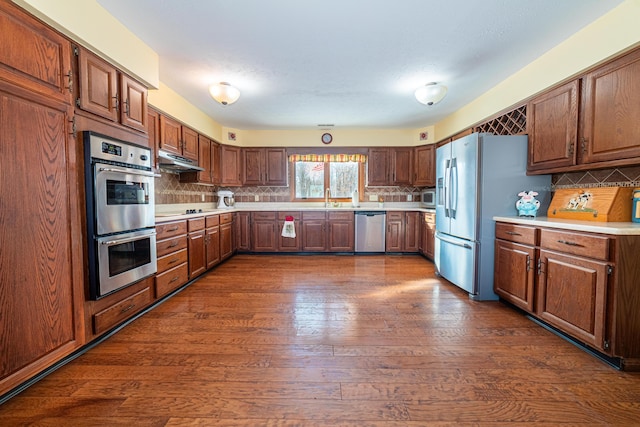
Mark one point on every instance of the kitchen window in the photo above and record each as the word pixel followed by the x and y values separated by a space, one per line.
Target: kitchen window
pixel 314 174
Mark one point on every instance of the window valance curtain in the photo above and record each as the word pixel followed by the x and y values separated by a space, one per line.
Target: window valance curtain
pixel 360 158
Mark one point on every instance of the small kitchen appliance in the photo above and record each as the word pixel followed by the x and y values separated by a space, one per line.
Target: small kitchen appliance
pixel 225 199
pixel 428 198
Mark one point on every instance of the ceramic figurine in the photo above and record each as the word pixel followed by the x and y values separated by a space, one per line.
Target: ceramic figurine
pixel 527 205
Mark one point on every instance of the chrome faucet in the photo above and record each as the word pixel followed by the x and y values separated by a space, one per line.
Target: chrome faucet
pixel 327 196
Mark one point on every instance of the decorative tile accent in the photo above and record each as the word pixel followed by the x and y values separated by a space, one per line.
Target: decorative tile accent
pixel 614 177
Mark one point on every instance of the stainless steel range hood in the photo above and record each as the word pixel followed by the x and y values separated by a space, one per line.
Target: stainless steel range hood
pixel 175 163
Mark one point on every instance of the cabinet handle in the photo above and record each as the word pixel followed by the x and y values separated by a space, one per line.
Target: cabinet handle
pixel 124 310
pixel 174 260
pixel 73 126
pixel 173 245
pixel 512 233
pixel 173 229
pixel 174 279
pixel 70 80
pixel 528 263
pixel 126 107
pixel 570 153
pixel 539 266
pixel 117 104
pixel 584 144
pixel 567 242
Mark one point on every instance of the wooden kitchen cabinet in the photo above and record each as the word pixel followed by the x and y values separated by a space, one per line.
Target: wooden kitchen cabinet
pixel 227 244
pixel 289 244
pixel 588 123
pixel 243 231
pixel 314 231
pixel 390 166
pixel 153 130
pixel 230 165
pixel 515 264
pixel 263 232
pixel 411 231
pixel 403 231
pixel 196 245
pixel 173 260
pixel 427 236
pixel 212 240
pixel 341 233
pixel 116 313
pixel 209 160
pixel 264 166
pixel 109 93
pixel 424 169
pixel 177 138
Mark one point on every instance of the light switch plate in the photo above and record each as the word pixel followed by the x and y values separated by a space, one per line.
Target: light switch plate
pixel 256 198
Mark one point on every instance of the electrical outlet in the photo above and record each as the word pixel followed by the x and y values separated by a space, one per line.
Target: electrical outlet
pixel 256 198
pixel 408 197
pixel 202 198
pixel 373 198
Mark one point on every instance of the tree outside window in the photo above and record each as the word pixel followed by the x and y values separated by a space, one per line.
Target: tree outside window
pixel 311 179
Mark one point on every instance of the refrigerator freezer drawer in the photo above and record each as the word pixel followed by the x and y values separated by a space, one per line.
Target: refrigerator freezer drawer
pixel 455 260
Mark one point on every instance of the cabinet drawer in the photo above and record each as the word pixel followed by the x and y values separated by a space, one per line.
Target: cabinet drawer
pixel 226 218
pixel 165 247
pixel 313 215
pixel 171 279
pixel 263 215
pixel 170 229
pixel 395 216
pixel 171 260
pixel 196 224
pixel 430 218
pixel 283 215
pixel 341 215
pixel 587 245
pixel 212 221
pixel 111 316
pixel 516 233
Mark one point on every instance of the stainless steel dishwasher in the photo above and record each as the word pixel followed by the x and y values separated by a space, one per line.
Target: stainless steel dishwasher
pixel 370 231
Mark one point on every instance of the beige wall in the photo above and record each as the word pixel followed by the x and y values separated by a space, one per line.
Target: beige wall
pixel 615 32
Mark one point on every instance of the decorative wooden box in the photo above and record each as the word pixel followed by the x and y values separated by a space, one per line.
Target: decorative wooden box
pixel 605 204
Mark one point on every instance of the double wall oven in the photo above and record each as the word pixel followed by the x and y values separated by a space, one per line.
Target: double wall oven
pixel 119 185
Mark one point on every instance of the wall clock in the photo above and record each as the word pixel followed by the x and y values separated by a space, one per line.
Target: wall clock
pixel 327 138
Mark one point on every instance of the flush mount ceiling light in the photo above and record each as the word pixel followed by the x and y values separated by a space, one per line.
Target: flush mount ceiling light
pixel 431 93
pixel 224 93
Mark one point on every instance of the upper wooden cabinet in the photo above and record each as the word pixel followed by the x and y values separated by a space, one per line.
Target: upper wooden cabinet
pixel 390 166
pixel 109 93
pixel 264 166
pixel 178 139
pixel 552 125
pixel 208 159
pixel 424 169
pixel 588 123
pixel 230 165
pixel 33 55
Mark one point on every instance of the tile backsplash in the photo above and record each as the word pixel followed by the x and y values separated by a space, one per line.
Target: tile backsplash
pixel 169 189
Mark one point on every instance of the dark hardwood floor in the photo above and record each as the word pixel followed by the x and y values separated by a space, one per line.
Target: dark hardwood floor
pixel 330 340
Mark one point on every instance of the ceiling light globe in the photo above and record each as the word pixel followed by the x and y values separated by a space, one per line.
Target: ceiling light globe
pixel 431 93
pixel 224 93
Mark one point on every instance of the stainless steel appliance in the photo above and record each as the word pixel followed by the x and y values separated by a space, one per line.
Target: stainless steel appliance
pixel 370 231
pixel 477 178
pixel 428 198
pixel 119 186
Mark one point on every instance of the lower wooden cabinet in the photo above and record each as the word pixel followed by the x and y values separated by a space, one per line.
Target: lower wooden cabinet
pixel 227 245
pixel 263 232
pixel 212 240
pixel 403 231
pixel 314 231
pixel 173 261
pixel 584 284
pixel 121 310
pixel 196 244
pixel 289 244
pixel 341 232
pixel 428 234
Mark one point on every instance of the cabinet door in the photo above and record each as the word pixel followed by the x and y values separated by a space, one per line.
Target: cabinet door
pixel 34 56
pixel 230 165
pixel 275 164
pixel 402 166
pixel 215 163
pixel 98 86
pixel 611 129
pixel 170 135
pixel 514 273
pixel 411 232
pixel 243 231
pixel 153 129
pixel 212 246
pixel 133 110
pixel 288 244
pixel 395 232
pixel 226 240
pixel 314 235
pixel 189 143
pixel 264 236
pixel 572 295
pixel 204 160
pixel 341 236
pixel 197 256
pixel 378 166
pixel 252 166
pixel 41 290
pixel 424 166
pixel 552 125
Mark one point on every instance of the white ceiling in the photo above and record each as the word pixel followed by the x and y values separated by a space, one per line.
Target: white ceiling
pixel 352 63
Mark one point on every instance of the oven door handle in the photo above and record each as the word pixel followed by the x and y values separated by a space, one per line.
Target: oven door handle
pixel 129 239
pixel 141 173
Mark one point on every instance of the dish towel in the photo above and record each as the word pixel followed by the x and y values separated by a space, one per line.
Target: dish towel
pixel 289 228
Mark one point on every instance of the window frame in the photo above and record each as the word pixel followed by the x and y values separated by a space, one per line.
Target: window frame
pixel 327 178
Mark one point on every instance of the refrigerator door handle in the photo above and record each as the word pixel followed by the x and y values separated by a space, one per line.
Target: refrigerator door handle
pixel 447 196
pixel 451 242
pixel 453 183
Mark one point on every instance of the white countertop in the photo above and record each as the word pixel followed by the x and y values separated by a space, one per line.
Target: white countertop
pixel 616 228
pixel 177 211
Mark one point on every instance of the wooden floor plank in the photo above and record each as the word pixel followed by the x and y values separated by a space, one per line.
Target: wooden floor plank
pixel 330 340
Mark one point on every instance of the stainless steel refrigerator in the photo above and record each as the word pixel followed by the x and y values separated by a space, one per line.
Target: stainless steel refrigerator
pixel 478 177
